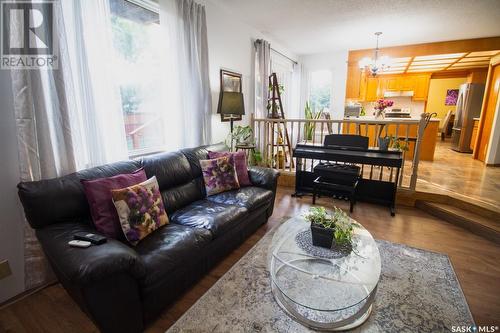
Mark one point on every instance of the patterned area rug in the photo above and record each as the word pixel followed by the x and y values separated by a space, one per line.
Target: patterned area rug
pixel 418 292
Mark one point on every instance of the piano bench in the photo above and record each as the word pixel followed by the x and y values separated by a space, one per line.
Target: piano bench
pixel 335 186
pixel 337 171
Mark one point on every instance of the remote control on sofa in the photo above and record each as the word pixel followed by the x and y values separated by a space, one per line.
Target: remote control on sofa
pixel 90 237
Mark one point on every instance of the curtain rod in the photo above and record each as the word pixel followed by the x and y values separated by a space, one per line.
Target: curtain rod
pixel 281 54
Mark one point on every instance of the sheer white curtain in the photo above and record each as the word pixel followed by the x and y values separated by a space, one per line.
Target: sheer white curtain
pixel 305 79
pixel 186 73
pixel 283 68
pixel 45 145
pixel 262 72
pixel 297 110
pixel 288 74
pixel 98 126
pixel 68 118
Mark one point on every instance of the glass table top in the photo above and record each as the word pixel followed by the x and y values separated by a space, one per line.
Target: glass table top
pixel 319 282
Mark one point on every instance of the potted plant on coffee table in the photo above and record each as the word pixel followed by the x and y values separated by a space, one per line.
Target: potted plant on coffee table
pixel 330 229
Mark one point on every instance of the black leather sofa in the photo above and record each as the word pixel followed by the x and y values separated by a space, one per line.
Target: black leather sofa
pixel 124 288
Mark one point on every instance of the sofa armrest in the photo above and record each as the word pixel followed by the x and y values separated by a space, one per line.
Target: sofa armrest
pixel 264 177
pixel 81 266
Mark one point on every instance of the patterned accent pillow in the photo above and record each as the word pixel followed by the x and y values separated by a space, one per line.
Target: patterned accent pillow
pixel 140 209
pixel 240 163
pixel 98 193
pixel 219 175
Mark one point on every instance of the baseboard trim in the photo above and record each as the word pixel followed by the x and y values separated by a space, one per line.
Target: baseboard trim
pixel 25 294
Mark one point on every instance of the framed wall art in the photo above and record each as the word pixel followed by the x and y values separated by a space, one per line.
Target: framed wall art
pixel 229 81
pixel 451 97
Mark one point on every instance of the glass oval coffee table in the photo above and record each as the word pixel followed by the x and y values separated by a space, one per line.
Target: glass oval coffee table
pixel 321 288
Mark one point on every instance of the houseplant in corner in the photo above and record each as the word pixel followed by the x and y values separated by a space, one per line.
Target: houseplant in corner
pixel 310 127
pixel 330 229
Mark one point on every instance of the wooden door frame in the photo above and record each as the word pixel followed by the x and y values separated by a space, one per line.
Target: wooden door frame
pixel 495 61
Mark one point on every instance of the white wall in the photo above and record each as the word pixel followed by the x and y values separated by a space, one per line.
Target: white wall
pixel 11 223
pixel 337 63
pixel 230 44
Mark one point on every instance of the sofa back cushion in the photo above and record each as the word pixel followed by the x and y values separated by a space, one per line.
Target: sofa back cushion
pixel 63 199
pixel 174 176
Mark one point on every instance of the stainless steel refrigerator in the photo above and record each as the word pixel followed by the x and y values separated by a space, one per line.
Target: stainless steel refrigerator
pixel 469 102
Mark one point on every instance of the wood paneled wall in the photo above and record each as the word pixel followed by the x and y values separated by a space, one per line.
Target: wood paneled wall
pixel 466 45
pixel 488 110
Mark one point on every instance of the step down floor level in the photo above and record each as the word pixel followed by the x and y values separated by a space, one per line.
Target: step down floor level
pixel 486 227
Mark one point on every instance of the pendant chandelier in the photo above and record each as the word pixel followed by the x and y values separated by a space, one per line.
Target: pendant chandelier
pixel 377 64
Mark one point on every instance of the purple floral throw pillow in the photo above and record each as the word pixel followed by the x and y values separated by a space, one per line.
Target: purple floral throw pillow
pixel 219 175
pixel 140 209
pixel 240 163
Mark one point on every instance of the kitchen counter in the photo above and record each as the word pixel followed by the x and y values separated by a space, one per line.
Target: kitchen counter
pixel 372 119
pixel 399 127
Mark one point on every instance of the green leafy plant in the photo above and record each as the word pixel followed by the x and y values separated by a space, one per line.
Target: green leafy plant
pixel 272 107
pixel 275 108
pixel 309 127
pixel 242 135
pixel 395 143
pixel 399 144
pixel 338 221
pixel 281 88
pixel 257 157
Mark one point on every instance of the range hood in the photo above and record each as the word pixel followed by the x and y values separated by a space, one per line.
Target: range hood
pixel 399 93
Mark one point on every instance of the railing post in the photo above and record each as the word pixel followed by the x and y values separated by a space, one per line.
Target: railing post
pixel 416 153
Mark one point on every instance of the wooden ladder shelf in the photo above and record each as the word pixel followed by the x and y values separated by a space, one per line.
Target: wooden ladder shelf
pixel 279 148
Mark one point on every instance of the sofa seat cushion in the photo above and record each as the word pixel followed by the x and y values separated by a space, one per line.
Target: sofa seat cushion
pixel 210 215
pixel 167 248
pixel 249 197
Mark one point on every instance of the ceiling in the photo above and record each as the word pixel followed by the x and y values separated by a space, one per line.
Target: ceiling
pixel 441 62
pixel 314 26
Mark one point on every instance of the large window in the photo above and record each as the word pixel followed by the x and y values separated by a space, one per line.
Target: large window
pixel 320 90
pixel 135 32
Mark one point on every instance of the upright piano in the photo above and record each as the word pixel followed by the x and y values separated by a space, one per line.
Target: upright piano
pixel 380 170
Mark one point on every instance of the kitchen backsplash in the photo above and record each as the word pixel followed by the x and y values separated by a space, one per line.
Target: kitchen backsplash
pixel 416 107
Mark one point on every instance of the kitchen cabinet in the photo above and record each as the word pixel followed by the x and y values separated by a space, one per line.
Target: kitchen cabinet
pixel 372 92
pixel 393 83
pixel 474 134
pixel 373 88
pixel 421 87
pixel 407 82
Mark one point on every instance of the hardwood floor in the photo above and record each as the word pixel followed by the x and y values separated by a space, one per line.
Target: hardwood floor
pixel 459 175
pixel 474 259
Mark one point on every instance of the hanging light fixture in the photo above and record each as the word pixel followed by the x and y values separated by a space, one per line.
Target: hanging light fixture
pixel 377 64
